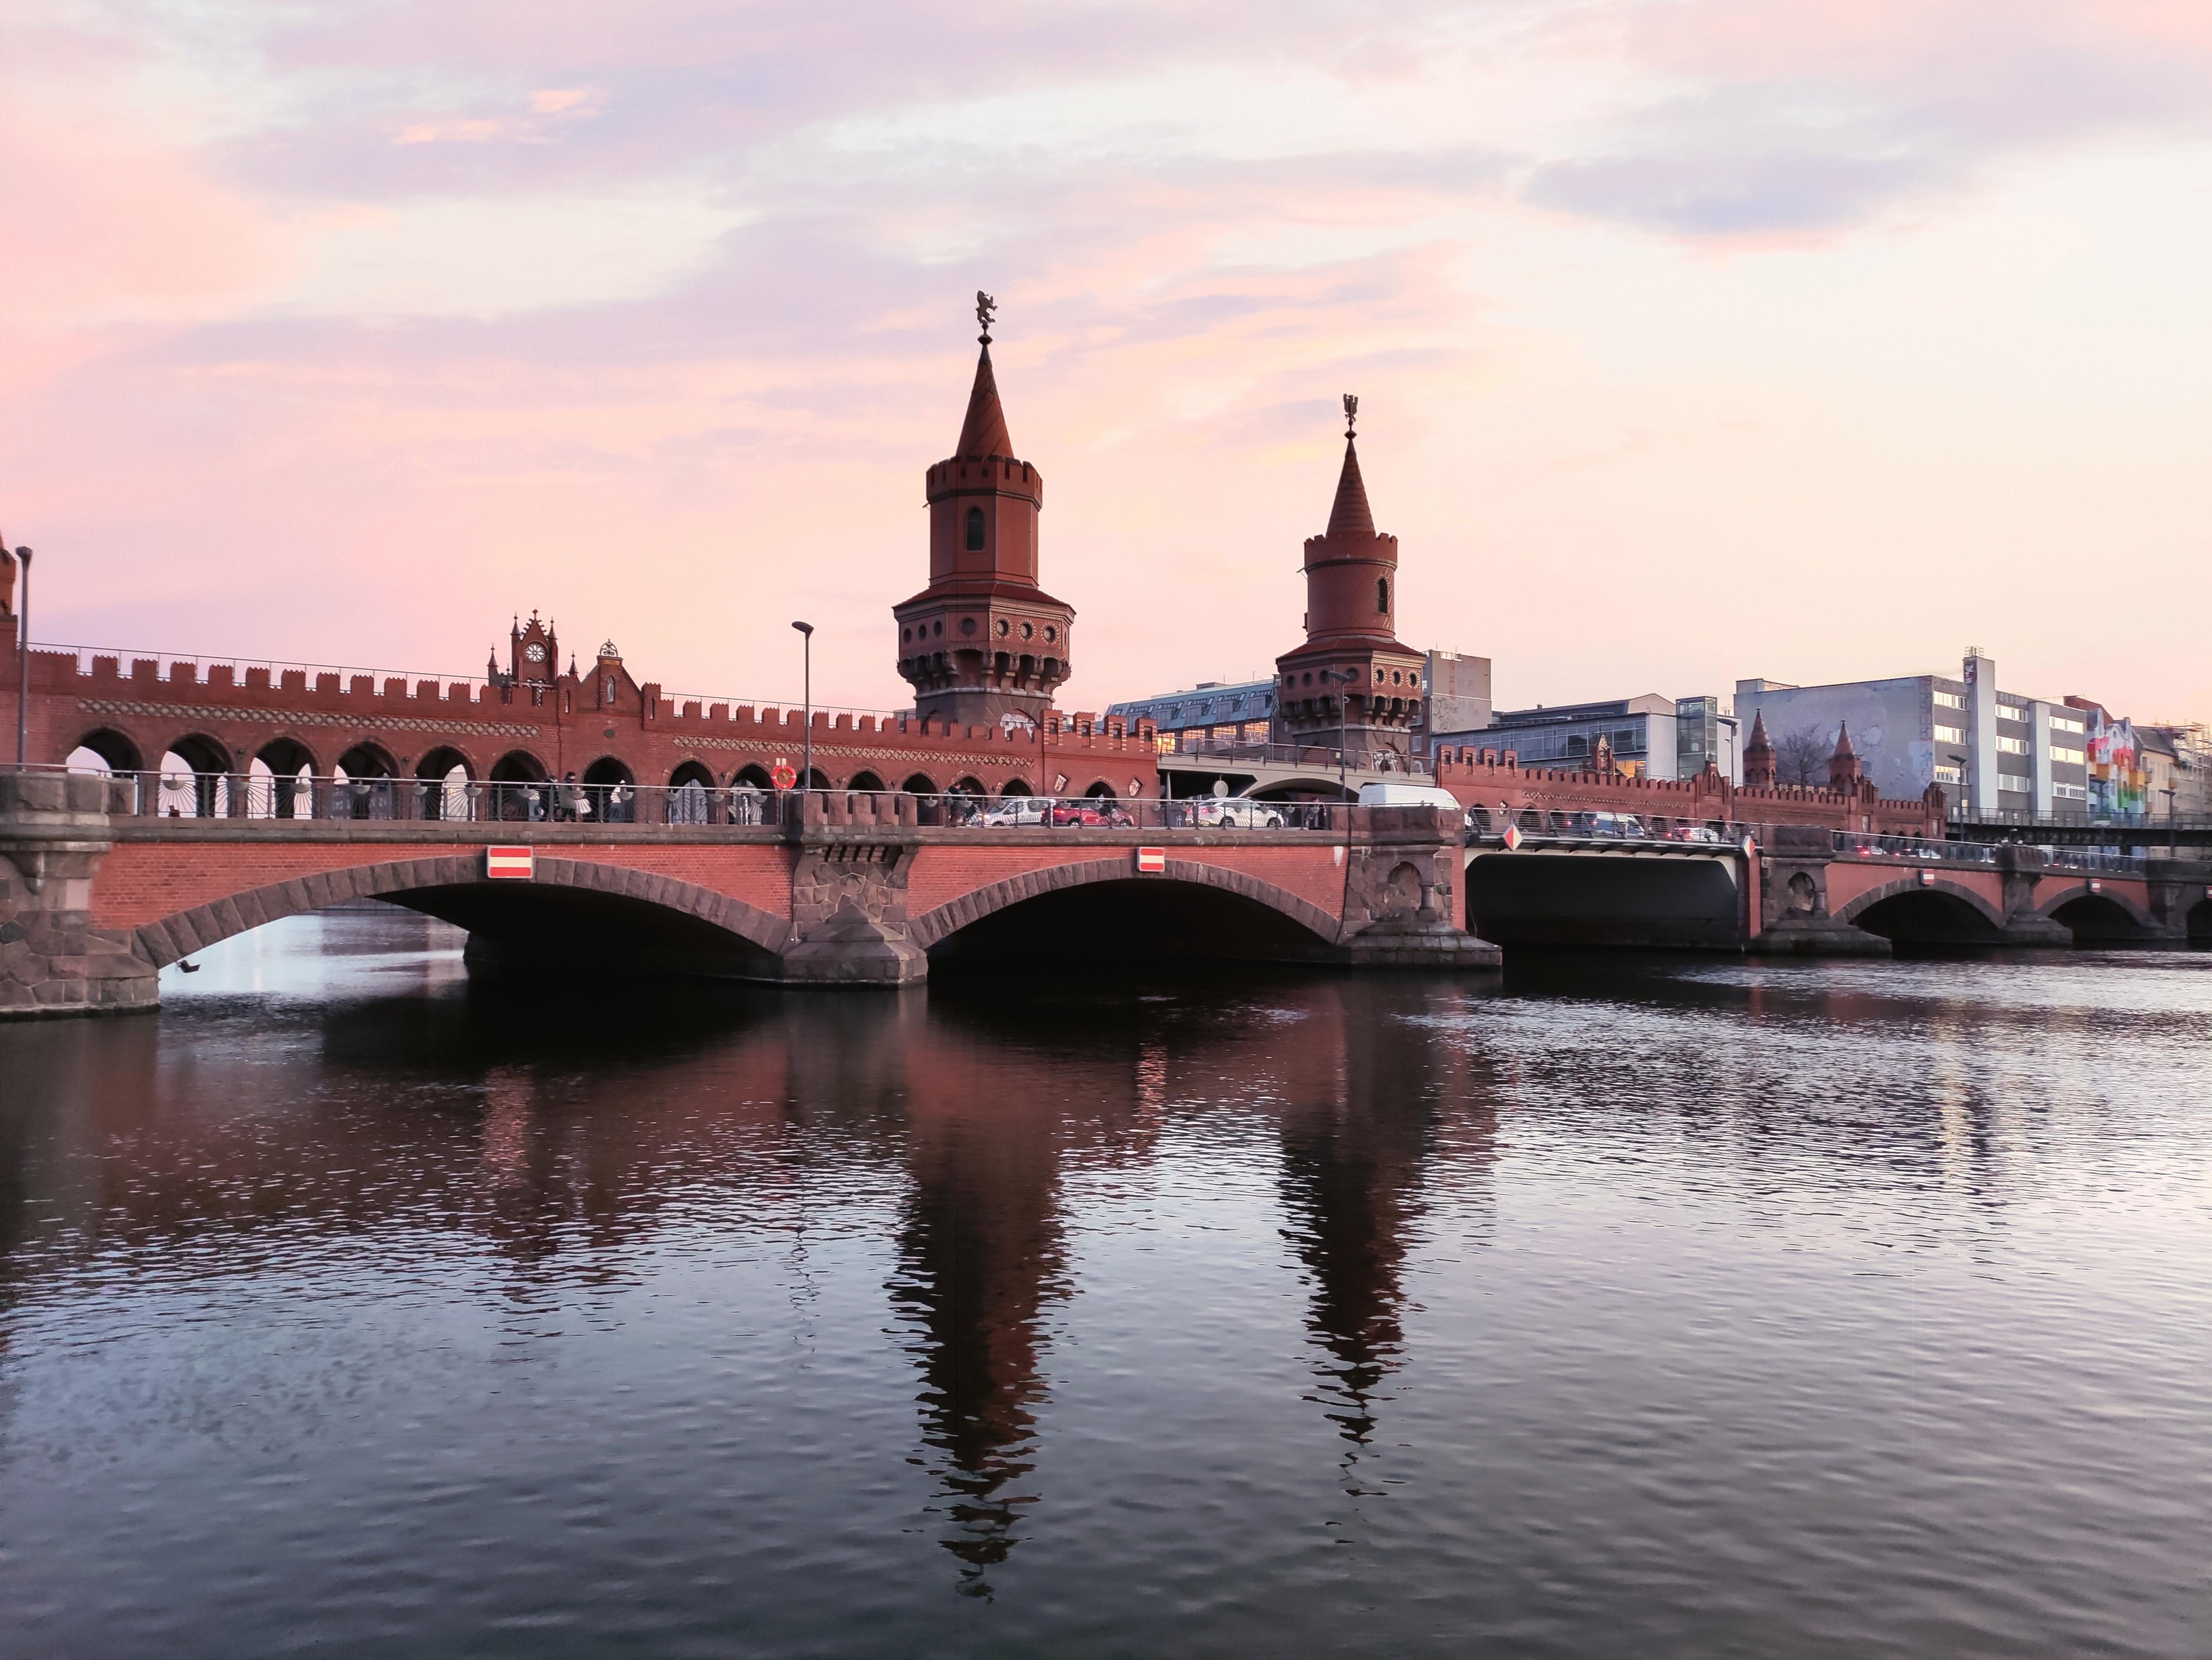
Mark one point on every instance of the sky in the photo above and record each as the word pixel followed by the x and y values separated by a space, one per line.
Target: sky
pixel 1694 339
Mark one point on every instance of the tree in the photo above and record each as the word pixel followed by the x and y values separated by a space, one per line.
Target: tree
pixel 1801 757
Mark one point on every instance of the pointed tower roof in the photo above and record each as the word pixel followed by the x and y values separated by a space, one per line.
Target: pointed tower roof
pixel 1350 515
pixel 984 432
pixel 1758 739
pixel 1844 741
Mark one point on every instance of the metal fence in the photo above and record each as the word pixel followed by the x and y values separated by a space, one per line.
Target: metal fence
pixel 1321 761
pixel 259 798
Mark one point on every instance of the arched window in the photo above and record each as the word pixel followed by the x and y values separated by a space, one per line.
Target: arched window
pixel 974 530
pixel 1383 595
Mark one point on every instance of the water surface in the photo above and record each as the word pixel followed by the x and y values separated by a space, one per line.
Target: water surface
pixel 1634 1306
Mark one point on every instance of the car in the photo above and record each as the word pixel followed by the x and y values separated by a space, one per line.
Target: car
pixel 1094 813
pixel 1010 812
pixel 1697 832
pixel 1236 813
pixel 1622 827
pixel 1385 793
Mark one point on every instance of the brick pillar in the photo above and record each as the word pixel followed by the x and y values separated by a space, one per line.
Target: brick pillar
pixel 53 835
pixel 2020 871
pixel 1794 919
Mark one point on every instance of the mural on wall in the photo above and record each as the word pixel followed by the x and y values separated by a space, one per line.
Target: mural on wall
pixel 2118 786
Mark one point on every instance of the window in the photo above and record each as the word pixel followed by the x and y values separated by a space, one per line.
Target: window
pixel 2070 757
pixel 1950 700
pixel 974 530
pixel 1383 595
pixel 2007 711
pixel 2012 746
pixel 2065 723
pixel 2014 783
pixel 2069 792
pixel 1947 774
pixel 1949 734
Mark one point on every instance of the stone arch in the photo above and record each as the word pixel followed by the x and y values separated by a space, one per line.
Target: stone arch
pixel 920 783
pixel 1100 791
pixel 934 927
pixel 968 784
pixel 1944 903
pixel 867 783
pixel 2198 924
pixel 2075 893
pixel 1016 787
pixel 184 932
pixel 2098 918
pixel 368 759
pixel 757 775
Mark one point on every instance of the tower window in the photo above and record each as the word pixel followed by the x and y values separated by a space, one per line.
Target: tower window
pixel 974 530
pixel 1382 596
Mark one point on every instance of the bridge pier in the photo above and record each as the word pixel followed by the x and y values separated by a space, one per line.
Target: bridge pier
pixel 849 916
pixel 53 835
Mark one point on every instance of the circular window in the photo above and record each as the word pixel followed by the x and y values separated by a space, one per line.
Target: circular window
pixel 906 636
pixel 1309 679
pixel 938 627
pixel 1051 632
pixel 1028 628
pixel 1002 624
pixel 1395 677
pixel 966 625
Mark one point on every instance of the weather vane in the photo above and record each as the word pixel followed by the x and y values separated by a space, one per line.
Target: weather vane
pixel 1351 411
pixel 984 307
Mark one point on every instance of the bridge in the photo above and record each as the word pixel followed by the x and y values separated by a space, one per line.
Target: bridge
pixel 1807 891
pixel 850 889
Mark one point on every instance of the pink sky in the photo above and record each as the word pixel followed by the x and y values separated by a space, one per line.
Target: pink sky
pixel 1695 339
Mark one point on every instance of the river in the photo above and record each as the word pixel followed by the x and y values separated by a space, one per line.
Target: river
pixel 1654 1306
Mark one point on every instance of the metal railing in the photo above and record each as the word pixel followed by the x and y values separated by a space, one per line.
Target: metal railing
pixel 1988 853
pixel 186 795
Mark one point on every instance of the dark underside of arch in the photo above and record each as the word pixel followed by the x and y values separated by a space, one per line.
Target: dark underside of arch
pixel 2096 920
pixel 1561 899
pixel 533 928
pixel 1136 920
pixel 1928 916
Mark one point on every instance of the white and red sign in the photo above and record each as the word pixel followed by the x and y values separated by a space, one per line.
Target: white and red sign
pixel 1512 836
pixel 510 863
pixel 1152 861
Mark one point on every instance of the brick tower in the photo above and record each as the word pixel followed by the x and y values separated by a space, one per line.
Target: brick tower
pixel 983 643
pixel 1352 651
pixel 1758 755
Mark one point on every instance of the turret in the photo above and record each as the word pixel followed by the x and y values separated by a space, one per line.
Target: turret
pixel 983 641
pixel 1845 773
pixel 1352 681
pixel 1758 755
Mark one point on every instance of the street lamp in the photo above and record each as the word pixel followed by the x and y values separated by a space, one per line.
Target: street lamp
pixel 806 775
pixel 23 665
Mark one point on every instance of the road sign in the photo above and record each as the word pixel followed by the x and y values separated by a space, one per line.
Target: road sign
pixel 783 774
pixel 1750 845
pixel 1513 838
pixel 1152 861
pixel 510 863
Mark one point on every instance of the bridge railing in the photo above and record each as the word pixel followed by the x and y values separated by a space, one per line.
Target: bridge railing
pixel 183 795
pixel 1988 853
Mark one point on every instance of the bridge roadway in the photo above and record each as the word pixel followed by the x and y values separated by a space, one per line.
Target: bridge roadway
pixel 95 902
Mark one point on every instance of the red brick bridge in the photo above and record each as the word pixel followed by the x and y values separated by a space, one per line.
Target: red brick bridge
pixel 93 903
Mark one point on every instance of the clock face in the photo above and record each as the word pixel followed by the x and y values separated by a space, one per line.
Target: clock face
pixel 534 651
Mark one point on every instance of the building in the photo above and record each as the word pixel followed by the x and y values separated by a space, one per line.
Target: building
pixel 2180 760
pixel 983 645
pixel 1209 715
pixel 1351 684
pixel 1995 752
pixel 1647 736
pixel 1214 714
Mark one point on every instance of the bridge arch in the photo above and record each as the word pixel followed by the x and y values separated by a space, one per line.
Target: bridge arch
pixel 632 915
pixel 2198 923
pixel 2097 915
pixel 1911 911
pixel 1103 908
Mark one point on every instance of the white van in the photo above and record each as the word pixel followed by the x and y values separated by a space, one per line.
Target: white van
pixel 1386 793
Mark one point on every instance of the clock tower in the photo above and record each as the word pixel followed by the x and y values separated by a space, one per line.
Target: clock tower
pixel 533 654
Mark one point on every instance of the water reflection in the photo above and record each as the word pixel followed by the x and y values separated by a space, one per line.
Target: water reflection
pixel 703 1307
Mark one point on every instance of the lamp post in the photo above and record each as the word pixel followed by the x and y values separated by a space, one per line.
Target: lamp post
pixel 23 665
pixel 806 765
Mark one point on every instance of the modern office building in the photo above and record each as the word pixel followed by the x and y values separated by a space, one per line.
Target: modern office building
pixel 1647 736
pixel 1993 752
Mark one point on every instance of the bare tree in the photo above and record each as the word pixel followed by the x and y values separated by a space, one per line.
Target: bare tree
pixel 1802 757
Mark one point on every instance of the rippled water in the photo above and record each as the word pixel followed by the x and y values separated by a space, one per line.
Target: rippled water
pixel 1653 1307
